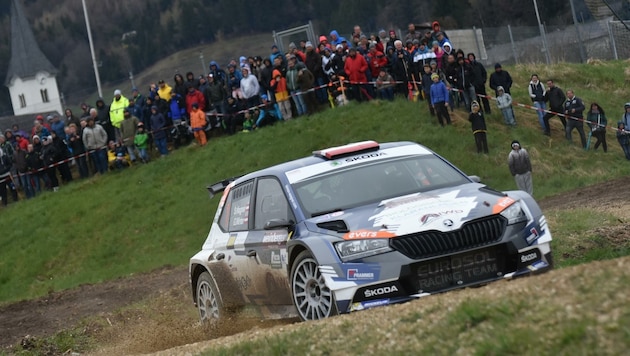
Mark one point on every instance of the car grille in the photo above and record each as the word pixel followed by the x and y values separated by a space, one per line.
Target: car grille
pixel 473 234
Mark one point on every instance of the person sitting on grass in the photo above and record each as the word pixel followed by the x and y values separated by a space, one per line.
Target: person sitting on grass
pixel 248 122
pixel 269 113
pixel 117 156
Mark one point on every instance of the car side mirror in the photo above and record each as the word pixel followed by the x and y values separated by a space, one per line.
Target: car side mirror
pixel 274 224
pixel 475 179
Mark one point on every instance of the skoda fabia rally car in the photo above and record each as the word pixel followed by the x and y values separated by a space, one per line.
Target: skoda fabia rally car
pixel 359 226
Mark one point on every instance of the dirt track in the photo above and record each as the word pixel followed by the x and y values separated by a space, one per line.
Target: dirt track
pixel 168 288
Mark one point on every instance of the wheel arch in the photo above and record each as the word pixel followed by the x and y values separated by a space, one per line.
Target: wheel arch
pixel 227 288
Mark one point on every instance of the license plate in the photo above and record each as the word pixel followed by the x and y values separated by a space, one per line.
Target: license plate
pixel 460 269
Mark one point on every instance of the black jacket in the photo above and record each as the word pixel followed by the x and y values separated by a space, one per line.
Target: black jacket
pixel 556 99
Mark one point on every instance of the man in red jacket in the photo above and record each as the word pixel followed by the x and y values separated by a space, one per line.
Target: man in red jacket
pixel 194 96
pixel 355 67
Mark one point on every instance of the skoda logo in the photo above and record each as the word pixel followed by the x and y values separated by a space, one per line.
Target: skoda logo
pixel 448 222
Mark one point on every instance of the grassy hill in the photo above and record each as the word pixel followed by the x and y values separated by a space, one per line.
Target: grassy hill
pixel 158 214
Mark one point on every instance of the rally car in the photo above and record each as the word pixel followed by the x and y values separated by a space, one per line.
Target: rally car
pixel 359 226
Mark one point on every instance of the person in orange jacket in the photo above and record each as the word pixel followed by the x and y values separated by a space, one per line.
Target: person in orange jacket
pixel 279 85
pixel 197 123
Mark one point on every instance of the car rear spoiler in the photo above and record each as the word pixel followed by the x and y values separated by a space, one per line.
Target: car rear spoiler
pixel 220 186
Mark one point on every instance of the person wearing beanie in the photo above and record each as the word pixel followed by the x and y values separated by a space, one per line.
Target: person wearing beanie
pixel 439 99
pixel 141 141
pixel 521 167
pixel 501 78
pixel 116 111
pixel 479 128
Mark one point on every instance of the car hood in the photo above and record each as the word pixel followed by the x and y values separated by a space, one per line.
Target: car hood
pixel 443 210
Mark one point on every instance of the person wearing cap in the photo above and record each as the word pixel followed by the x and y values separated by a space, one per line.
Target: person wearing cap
pixel 501 78
pixel 164 90
pixel 355 67
pixel 197 123
pixel 478 126
pixel 141 141
pixel 128 132
pixel 521 167
pixel 294 70
pixel 439 99
pixel 556 99
pixel 95 140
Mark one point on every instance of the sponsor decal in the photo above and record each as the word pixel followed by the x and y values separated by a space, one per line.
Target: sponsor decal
pixel 374 303
pixel 448 223
pixel 540 264
pixel 528 257
pixel 501 204
pixel 353 274
pixel 380 291
pixel 368 234
pixel 366 156
pixel 276 259
pixel 271 237
pixel 533 236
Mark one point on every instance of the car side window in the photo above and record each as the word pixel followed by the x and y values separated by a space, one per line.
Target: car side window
pixel 236 210
pixel 271 203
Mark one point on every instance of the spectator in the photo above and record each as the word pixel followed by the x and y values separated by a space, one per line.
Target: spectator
pixel 139 102
pixel 275 53
pixel 556 99
pixel 412 34
pixel 400 67
pixel 597 123
pixel 297 52
pixel 117 157
pixel 62 153
pixel 623 137
pixel 176 112
pixel 128 132
pixel 439 99
pixel 234 81
pixel 465 82
pixel 75 144
pixel 355 67
pixel 5 178
pixel 116 111
pixel 85 110
pixel 500 77
pixel 268 113
pixel 478 127
pixel 537 93
pixel 16 130
pixel 218 74
pixel 33 166
pixel 141 141
pixel 385 85
pixel 504 102
pixel 71 118
pixel 313 63
pixel 293 73
pixel 391 41
pixel 95 141
pixel 335 39
pixel 158 125
pixel 448 50
pixel 426 86
pixel 49 157
pixel 103 119
pixel 521 167
pixel 164 90
pixel 265 76
pixel 179 87
pixel 20 141
pixel 21 167
pixel 216 95
pixel 437 31
pixel 279 87
pixel 626 115
pixel 439 54
pixel 250 89
pixel 573 109
pixel 232 117
pixel 197 123
pixel 39 129
pixel 479 79
pixel 193 95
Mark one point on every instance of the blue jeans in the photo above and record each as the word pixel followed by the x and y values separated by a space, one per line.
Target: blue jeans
pixel 386 93
pixel 29 190
pixel 160 143
pixel 99 158
pixel 540 106
pixel 508 116
pixel 626 150
pixel 144 155
pixel 298 99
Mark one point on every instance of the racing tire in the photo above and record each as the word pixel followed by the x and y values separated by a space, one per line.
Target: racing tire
pixel 311 297
pixel 209 303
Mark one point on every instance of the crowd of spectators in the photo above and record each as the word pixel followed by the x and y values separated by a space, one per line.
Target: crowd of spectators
pixel 257 91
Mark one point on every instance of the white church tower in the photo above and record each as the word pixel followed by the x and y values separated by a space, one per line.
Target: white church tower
pixel 31 76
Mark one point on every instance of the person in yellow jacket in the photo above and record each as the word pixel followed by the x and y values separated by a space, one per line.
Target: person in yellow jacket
pixel 116 111
pixel 164 90
pixel 197 123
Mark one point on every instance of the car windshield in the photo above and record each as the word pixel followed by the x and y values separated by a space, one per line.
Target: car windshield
pixel 374 182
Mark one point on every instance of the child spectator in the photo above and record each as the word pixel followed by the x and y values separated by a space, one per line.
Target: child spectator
pixel 504 102
pixel 141 140
pixel 478 127
pixel 248 123
pixel 385 85
pixel 623 137
pixel 279 86
pixel 439 99
pixel 197 122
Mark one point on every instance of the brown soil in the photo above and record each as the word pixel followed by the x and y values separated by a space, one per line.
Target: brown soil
pixel 166 318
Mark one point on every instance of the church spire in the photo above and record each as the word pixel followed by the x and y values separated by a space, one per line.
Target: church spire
pixel 26 57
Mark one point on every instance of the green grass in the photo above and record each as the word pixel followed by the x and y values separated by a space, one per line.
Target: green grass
pixel 159 214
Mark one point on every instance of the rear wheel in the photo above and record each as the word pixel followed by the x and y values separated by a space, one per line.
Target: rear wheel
pixel 312 298
pixel 209 302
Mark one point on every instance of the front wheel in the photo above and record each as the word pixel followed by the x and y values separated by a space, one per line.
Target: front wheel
pixel 311 297
pixel 209 302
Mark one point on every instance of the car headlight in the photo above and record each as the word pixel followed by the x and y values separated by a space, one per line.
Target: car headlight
pixel 514 213
pixel 354 249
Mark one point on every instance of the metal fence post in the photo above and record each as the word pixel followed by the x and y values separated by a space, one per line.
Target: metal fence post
pixel 612 40
pixel 512 43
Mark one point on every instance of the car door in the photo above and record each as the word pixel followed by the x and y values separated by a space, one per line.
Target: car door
pixel 266 249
